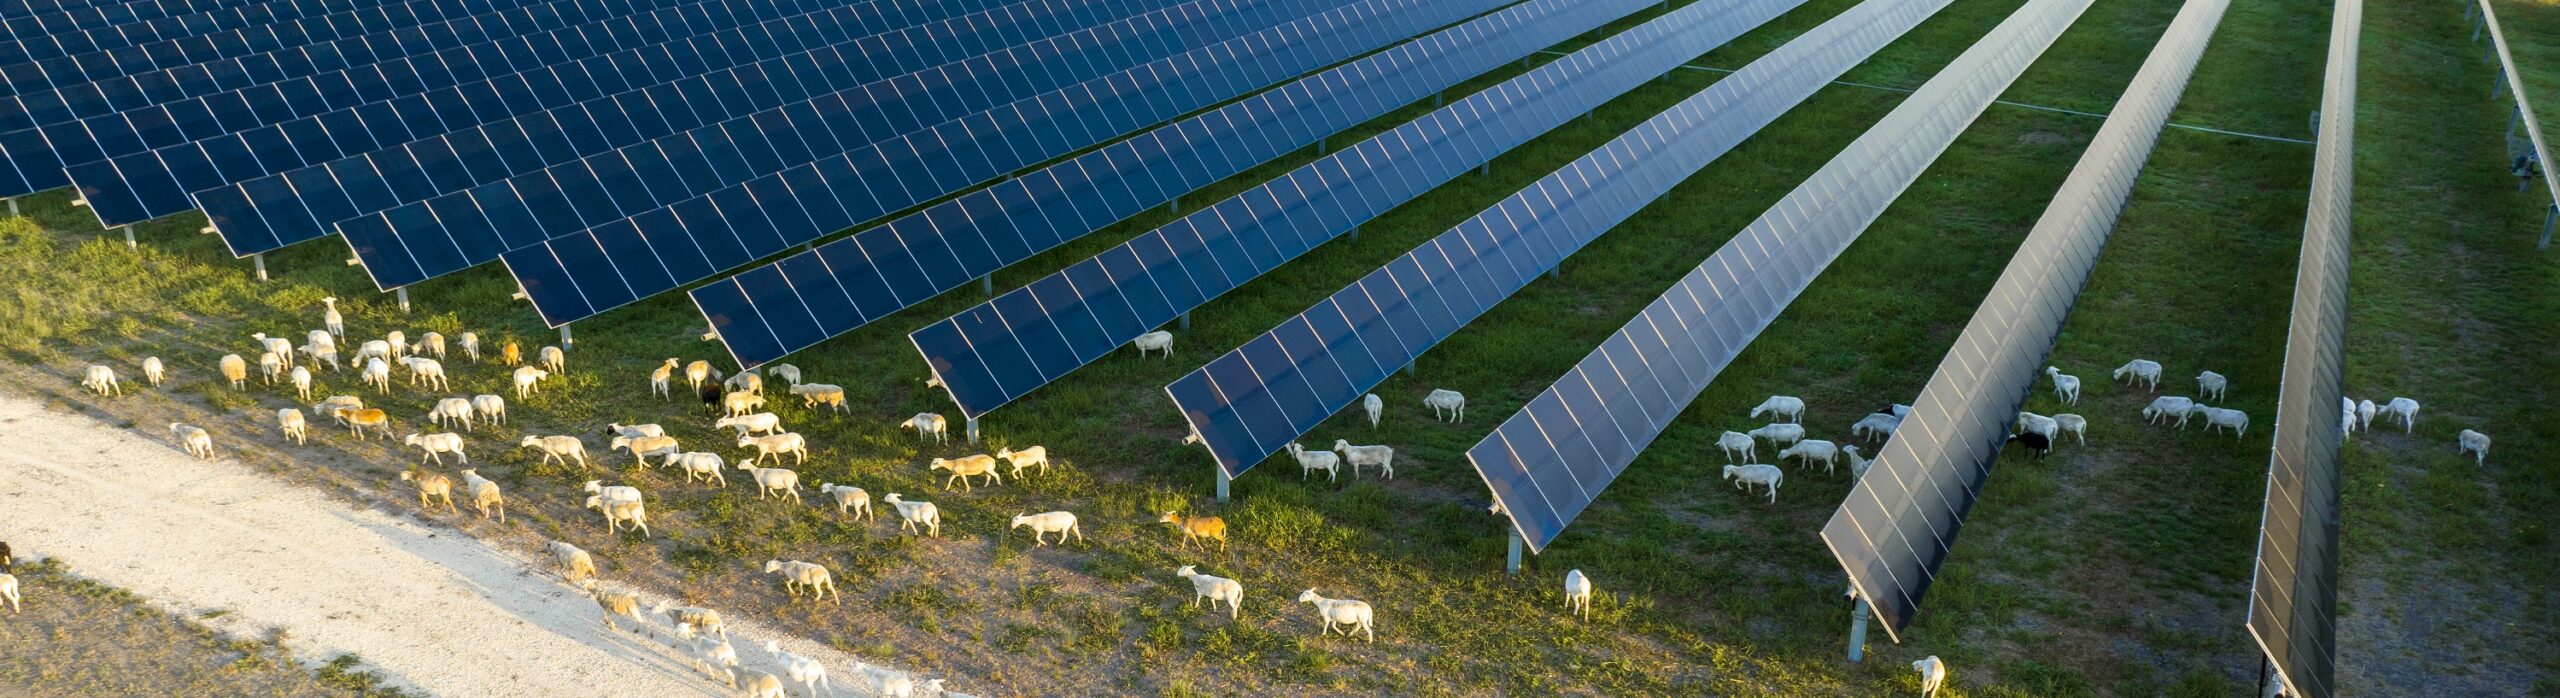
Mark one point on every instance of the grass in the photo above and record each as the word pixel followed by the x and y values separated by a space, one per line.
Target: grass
pixel 77 637
pixel 2120 568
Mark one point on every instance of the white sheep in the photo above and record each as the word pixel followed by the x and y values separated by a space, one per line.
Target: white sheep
pixel 636 430
pixel 2407 410
pixel 1448 405
pixel 2140 371
pixel 279 346
pixel 747 381
pixel 270 367
pixel 660 379
pixel 1734 442
pixel 2075 425
pixel 2474 443
pixel 1374 406
pixel 764 685
pixel 789 374
pixel 928 426
pixel 9 591
pixel 1344 612
pixel 1781 408
pixel 2365 410
pixel 1025 458
pixel 2216 417
pixel 373 349
pixel 427 370
pixel 197 441
pixel 1158 340
pixel 101 380
pixel 848 499
pixel 2346 417
pixel 741 403
pixel 432 343
pixel 698 372
pixel 1215 589
pixel 1875 426
pixel 330 318
pixel 699 465
pixel 323 355
pixel 884 682
pixel 575 565
pixel 1058 522
pixel 301 382
pixel 431 486
pixel 2030 422
pixel 772 479
pixel 966 467
pixel 690 620
pixel 565 449
pixel 1858 462
pixel 153 370
pixel 337 407
pixel 913 514
pixel 399 343
pixel 377 373
pixel 1577 594
pixel 797 575
pixel 1780 434
pixel 452 410
pixel 471 346
pixel 1812 450
pixel 491 408
pixel 933 687
pixel 713 656
pixel 1756 474
pixel 436 445
pixel 758 423
pixel 2210 385
pixel 236 370
pixel 528 380
pixel 619 603
pixel 809 673
pixel 2066 387
pixel 1382 456
pixel 1933 675
pixel 2168 406
pixel 642 447
pixel 484 495
pixel 554 360
pixel 815 394
pixel 294 426
pixel 318 338
pixel 1327 461
pixel 617 513
pixel 775 445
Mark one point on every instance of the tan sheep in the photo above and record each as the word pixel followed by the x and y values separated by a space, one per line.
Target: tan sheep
pixel 797 575
pixel 197 442
pixel 576 566
pixel 431 485
pixel 484 495
pixel 236 370
pixel 967 467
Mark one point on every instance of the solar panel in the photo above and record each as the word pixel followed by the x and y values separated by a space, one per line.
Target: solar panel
pixel 2524 115
pixel 946 159
pixel 34 20
pixel 2293 595
pixel 110 34
pixel 319 42
pixel 775 119
pixel 999 351
pixel 1156 167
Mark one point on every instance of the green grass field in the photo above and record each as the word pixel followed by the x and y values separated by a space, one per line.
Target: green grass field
pixel 2119 568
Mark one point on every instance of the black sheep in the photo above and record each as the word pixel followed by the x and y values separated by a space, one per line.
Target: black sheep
pixel 711 396
pixel 2035 442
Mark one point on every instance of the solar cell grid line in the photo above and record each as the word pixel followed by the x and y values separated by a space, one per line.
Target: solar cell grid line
pixel 317 35
pixel 983 354
pixel 2293 592
pixel 567 282
pixel 764 116
pixel 126 187
pixel 110 35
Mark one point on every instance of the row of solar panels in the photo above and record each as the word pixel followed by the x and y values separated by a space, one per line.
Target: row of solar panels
pixel 2516 91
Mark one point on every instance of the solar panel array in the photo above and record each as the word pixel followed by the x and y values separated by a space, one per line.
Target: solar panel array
pixel 792 300
pixel 573 277
pixel 999 351
pixel 2293 595
pixel 2516 91
pixel 1252 401
pixel 108 27
pixel 174 41
pixel 1899 522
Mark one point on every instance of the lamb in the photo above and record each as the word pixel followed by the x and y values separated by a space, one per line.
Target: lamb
pixel 1447 405
pixel 2212 385
pixel 2066 387
pixel 1327 461
pixel 1215 589
pixel 270 368
pixel 577 566
pixel 377 374
pixel 153 370
pixel 659 380
pixel 1025 458
pixel 928 426
pixel 814 394
pixel 436 445
pixel 1577 593
pixel 636 430
pixel 431 343
pixel 848 498
pixel 101 380
pixel 1344 612
pixel 2365 411
pixel 967 467
pixel 2030 422
pixel 698 371
pixel 747 381
pixel 2475 443
pixel 452 410
pixel 1197 527
pixel 913 514
pixel 1780 434
pixel 1733 442
pixel 698 464
pixel 236 370
pixel 2407 410
pixel 197 441
pixel 490 407
pixel 758 423
pixel 560 448
pixel 2216 417
pixel 1158 340
pixel 1374 406
pixel 618 512
pixel 1782 408
pixel 797 575
pixel 620 603
pixel 789 374
pixel 805 671
pixel 2140 371
pixel 301 382
pixel 1933 675
pixel 295 428
pixel 690 619
pixel 2346 417
pixel 425 369
pixel 2168 405
pixel 471 346
pixel 771 479
pixel 554 360
pixel 330 318
pixel 1382 456
pixel 1858 462
pixel 1812 450
pixel 279 346
pixel 1756 474
pixel 1875 426
pixel 642 448
pixel 712 656
pixel 2073 424
pixel 741 403
pixel 358 419
pixel 775 445
pixel 529 381
pixel 431 486
pixel 484 495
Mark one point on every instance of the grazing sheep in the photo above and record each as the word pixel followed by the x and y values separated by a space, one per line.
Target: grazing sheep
pixel 399 344
pixel 1781 408
pixel 270 368
pixel 2037 444
pixel 933 687
pixel 1812 450
pixel 618 512
pixel 643 447
pixel 1577 594
pixel 491 408
pixel 967 467
pixel 848 499
pixel 1058 522
pixel 913 514
pixel 2407 410
pixel 775 445
pixel 471 346
pixel 565 449
pixel 805 671
pixel 758 423
pixel 301 382
pixel 377 373
pixel 436 445
pixel 699 465
pixel 452 410
pixel 321 355
pixel 2075 425
pixel 2346 417
pixel 236 370
pixel 1158 340
pixel 692 618
pixel 1197 527
pixel 1215 589
pixel 576 566
pixel 789 374
pixel 2212 385
pixel 2365 410
pixel 373 349
pixel 636 430
pixel 196 440
pixel 431 486
pixel 9 591
pixel 336 407
pixel 659 380
pixel 425 369
pixel 318 339
pixel 928 426
pixel 431 343
pixel 1858 462
pixel 484 495
pixel 295 428
pixel 747 381
pixel 528 381
pixel 2066 387
pixel 814 394
pixel 153 370
pixel 279 346
pixel 2030 422
pixel 1382 456
pixel 555 360
pixel 797 575
pixel 2168 405
pixel 358 419
pixel 1327 461
pixel 1780 434
pixel 1448 405
pixel 1025 458
pixel 741 403
pixel 1344 612
pixel 620 603
pixel 330 318
pixel 884 682
pixel 1933 675
pixel 713 656
pixel 1743 476
pixel 771 479
pixel 1734 442
pixel 764 685
pixel 611 493
pixel 2474 443
pixel 1374 406
pixel 2216 417
pixel 1875 426
pixel 101 380
pixel 699 371
pixel 2140 371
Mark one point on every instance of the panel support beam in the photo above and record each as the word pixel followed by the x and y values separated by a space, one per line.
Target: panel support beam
pixel 973 430
pixel 987 285
pixel 260 262
pixel 565 340
pixel 1355 234
pixel 2550 217
pixel 402 293
pixel 129 243
pixel 1512 562
pixel 13 205
pixel 1858 615
pixel 1223 482
pixel 1185 322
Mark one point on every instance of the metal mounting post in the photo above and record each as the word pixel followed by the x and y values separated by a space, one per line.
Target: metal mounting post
pixel 1323 143
pixel 1858 614
pixel 402 293
pixel 2550 217
pixel 1555 272
pixel 1174 206
pixel 1485 170
pixel 1408 370
pixel 973 430
pixel 128 237
pixel 13 205
pixel 259 261
pixel 1185 322
pixel 1513 565
pixel 565 341
pixel 1435 100
pixel 1223 480
pixel 987 285
pixel 1355 233
pixel 2499 85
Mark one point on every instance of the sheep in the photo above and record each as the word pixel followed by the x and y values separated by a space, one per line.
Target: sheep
pixel 1327 461
pixel 659 380
pixel 741 403
pixel 399 343
pixel 797 575
pixel 2075 425
pixel 747 381
pixel 2216 417
pixel 1781 408
pixel 2140 371
pixel 789 374
pixel 758 423
pixel 636 430
pixel 928 426
pixel 775 445
pixel 691 619
pixel 620 603
pixel 2212 385
pixel 1448 405
pixel 913 514
pixel 1025 458
pixel 425 369
pixel 716 657
pixel 611 493
pixel 1372 405
pixel 528 380
pixel 323 355
pixel 1197 527
pixel 436 445
pixel 2475 443
pixel 236 370
pixel 373 349
pixel 934 688
pixel 1158 340
pixel 967 467
pixel 809 673
pixel 196 440
pixel 1058 522
pixel 330 318
pixel 2346 417
pixel 618 512
pixel 336 407
pixel 814 394
pixel 884 682
pixel 2030 422
pixel 9 591
pixel 1344 612
pixel 2066 387
pixel 491 408
pixel 319 338
pixel 484 495
pixel 2168 405
pixel 771 479
pixel 358 419
pixel 698 464
pixel 471 346
pixel 848 499
pixel 1933 675
pixel 2407 410
pixel 1215 589
pixel 279 346
pixel 301 382
pixel 448 411
pixel 101 380
pixel 1898 410
pixel 1780 434
pixel 698 371
pixel 377 374
pixel 764 685
pixel 1756 474
pixel 153 370
pixel 643 447
pixel 1577 593
pixel 1858 463
pixel 1876 426
pixel 560 448
pixel 1812 450
pixel 431 486
pixel 554 360
pixel 576 566
pixel 1733 442
pixel 290 420
pixel 2036 443
pixel 270 368
pixel 431 343
pixel 2365 411
pixel 1382 456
